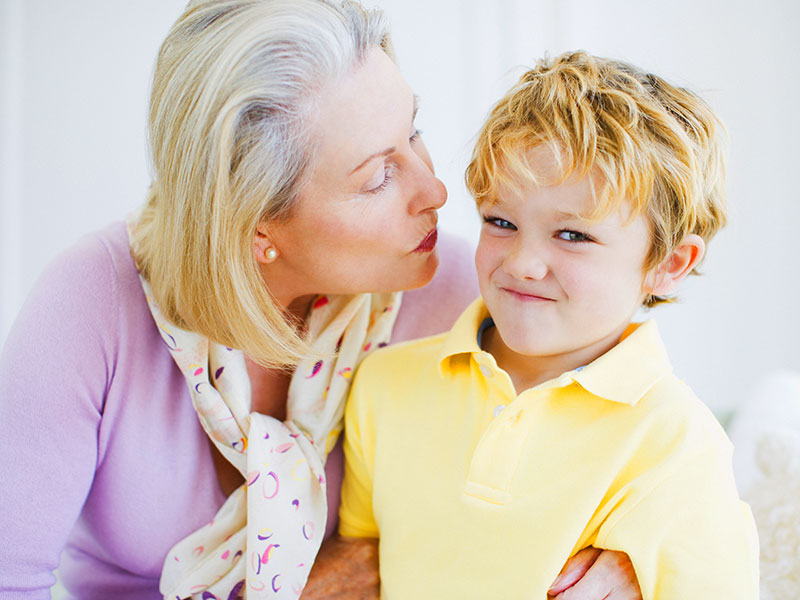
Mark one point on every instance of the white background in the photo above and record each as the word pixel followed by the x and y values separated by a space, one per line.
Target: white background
pixel 74 80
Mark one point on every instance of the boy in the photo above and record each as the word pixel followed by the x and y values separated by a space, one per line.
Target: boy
pixel 546 421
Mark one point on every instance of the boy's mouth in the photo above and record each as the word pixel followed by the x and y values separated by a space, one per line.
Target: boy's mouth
pixel 526 296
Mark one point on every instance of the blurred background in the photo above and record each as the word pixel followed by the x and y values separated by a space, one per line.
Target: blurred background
pixel 75 76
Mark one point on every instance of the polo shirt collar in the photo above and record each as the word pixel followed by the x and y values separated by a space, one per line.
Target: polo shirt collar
pixel 463 337
pixel 627 371
pixel 623 374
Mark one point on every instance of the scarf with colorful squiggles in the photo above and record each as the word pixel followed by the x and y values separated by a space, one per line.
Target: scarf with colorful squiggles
pixel 265 537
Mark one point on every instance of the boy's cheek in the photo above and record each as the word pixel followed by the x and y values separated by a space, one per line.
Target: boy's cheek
pixel 482 259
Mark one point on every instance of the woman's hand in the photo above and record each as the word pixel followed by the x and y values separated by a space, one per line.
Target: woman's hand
pixel 345 569
pixel 594 574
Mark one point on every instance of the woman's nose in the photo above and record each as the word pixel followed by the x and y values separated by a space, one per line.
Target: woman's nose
pixel 430 192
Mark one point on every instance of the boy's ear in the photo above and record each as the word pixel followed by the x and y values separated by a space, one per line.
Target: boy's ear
pixel 663 279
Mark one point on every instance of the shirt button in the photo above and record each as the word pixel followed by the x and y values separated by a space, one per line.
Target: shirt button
pixel 487 372
pixel 498 409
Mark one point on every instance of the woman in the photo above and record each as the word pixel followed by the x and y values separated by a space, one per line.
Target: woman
pixel 292 196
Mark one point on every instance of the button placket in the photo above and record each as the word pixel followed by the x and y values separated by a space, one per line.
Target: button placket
pixel 496 456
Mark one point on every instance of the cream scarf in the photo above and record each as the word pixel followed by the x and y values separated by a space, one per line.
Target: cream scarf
pixel 266 535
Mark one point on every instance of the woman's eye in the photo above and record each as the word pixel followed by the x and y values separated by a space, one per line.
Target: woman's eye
pixel 415 135
pixel 379 183
pixel 499 223
pixel 569 235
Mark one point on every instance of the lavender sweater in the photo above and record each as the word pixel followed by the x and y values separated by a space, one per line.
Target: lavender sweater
pixel 104 463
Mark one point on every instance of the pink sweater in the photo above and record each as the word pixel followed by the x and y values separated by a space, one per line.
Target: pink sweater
pixel 103 456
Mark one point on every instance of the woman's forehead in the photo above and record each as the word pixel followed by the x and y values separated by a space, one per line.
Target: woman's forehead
pixel 363 115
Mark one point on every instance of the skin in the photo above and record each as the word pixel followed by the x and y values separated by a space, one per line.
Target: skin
pixel 364 222
pixel 590 570
pixel 562 289
pixel 371 199
pixel 576 283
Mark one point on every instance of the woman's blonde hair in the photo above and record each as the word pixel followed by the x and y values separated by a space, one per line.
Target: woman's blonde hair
pixel 235 85
pixel 659 147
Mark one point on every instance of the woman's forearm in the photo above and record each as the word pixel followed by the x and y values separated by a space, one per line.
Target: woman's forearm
pixel 345 569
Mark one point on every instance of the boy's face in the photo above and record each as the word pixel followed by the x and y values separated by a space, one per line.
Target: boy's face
pixel 558 287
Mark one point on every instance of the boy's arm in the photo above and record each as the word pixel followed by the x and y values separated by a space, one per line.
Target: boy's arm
pixel 689 536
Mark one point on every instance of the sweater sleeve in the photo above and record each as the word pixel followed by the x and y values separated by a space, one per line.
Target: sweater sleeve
pixel 54 370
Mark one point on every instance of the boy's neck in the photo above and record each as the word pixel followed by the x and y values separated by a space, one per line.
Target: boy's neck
pixel 529 371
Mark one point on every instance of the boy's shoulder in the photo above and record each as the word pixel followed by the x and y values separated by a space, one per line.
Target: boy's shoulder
pixel 403 358
pixel 677 418
pixel 663 408
pixel 422 357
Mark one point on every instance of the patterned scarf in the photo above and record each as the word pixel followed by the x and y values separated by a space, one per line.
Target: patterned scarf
pixel 266 535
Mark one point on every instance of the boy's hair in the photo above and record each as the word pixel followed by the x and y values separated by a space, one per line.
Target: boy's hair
pixel 658 146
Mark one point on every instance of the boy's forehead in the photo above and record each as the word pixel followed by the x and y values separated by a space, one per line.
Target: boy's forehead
pixel 542 166
pixel 545 164
pixel 571 198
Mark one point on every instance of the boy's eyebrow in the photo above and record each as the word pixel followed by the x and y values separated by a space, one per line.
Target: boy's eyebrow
pixel 568 216
pixel 388 151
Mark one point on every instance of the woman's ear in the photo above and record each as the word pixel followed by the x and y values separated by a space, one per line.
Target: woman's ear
pixel 264 250
pixel 663 279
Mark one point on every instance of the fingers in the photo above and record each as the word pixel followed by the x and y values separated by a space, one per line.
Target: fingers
pixel 575 569
pixel 611 577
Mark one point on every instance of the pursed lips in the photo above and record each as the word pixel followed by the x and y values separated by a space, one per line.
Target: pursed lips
pixel 429 241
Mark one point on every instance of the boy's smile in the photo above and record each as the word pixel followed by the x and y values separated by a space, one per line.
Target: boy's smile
pixel 561 289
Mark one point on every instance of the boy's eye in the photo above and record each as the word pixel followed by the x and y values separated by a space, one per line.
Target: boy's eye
pixel 569 235
pixel 500 223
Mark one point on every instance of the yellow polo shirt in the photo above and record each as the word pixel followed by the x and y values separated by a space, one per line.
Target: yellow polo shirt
pixel 478 492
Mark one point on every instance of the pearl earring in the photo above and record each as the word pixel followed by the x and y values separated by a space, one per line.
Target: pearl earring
pixel 270 254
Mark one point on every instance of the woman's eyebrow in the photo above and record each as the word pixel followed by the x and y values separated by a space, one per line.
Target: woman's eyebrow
pixel 388 151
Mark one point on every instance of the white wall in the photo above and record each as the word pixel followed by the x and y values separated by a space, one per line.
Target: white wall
pixel 74 78
pixel 74 81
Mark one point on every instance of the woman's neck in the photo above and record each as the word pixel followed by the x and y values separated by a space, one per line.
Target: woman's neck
pixel 299 307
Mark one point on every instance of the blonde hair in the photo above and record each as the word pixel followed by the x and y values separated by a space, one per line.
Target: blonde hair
pixel 659 147
pixel 235 84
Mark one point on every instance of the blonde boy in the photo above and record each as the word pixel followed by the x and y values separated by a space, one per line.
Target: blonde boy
pixel 546 421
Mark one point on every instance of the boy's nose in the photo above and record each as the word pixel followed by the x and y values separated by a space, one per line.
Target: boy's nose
pixel 526 262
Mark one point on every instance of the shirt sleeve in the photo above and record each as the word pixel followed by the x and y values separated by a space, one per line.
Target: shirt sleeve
pixel 54 369
pixel 689 536
pixel 356 516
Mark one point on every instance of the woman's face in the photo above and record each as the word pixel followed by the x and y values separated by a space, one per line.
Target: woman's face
pixel 366 219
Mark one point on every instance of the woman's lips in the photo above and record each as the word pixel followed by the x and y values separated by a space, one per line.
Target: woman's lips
pixel 429 243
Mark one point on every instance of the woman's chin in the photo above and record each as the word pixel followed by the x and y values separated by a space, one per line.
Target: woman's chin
pixel 426 272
